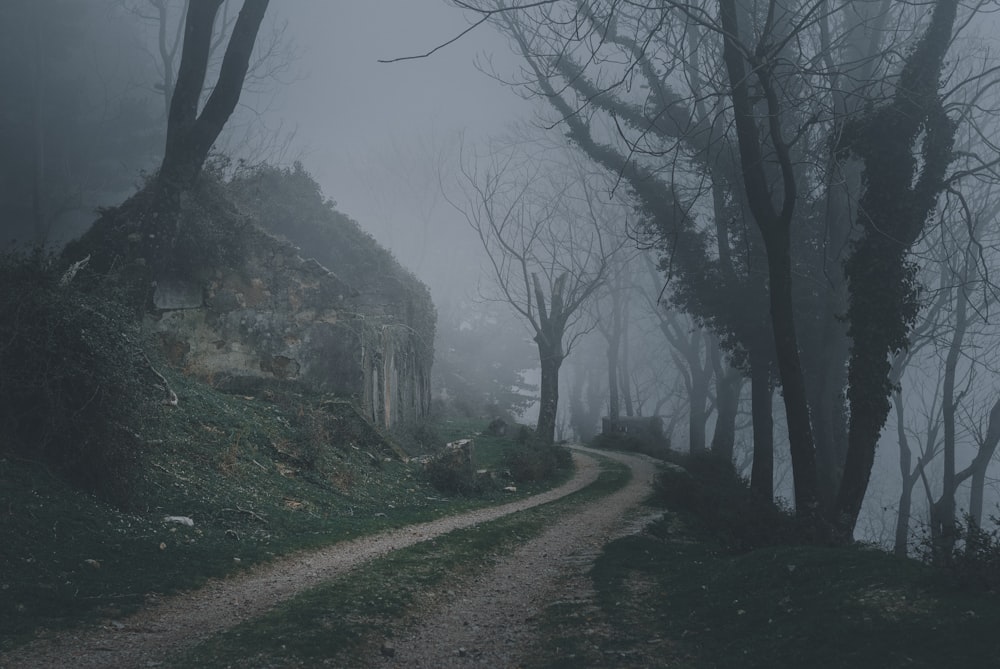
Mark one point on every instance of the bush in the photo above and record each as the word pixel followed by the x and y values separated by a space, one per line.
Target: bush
pixel 452 472
pixel 529 460
pixel 73 377
pixel 709 488
pixel 974 560
pixel 632 443
pixel 449 479
pixel 418 436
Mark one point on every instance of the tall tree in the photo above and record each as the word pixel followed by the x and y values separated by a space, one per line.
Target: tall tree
pixel 192 129
pixel 757 140
pixel 547 240
pixel 906 148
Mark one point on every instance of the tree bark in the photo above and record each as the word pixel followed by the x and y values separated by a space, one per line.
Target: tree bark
pixel 909 479
pixel 774 225
pixel 728 384
pixel 761 394
pixel 551 358
pixel 697 415
pixel 624 384
pixel 190 135
pixel 614 410
pixel 983 458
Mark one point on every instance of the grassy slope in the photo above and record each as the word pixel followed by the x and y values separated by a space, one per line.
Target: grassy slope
pixel 329 625
pixel 671 598
pixel 260 477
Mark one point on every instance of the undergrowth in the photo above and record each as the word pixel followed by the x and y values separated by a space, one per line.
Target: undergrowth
pixel 718 583
pixel 259 475
pixel 709 488
pixel 75 385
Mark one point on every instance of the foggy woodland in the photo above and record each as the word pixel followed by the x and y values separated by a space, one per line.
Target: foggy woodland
pixel 774 226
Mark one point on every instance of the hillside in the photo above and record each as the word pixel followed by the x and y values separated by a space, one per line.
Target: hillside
pixel 258 476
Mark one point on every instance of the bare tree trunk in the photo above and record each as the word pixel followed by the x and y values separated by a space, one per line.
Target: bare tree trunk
pixel 774 224
pixel 909 479
pixel 944 519
pixel 613 336
pixel 983 458
pixel 581 418
pixel 761 392
pixel 728 384
pixel 623 362
pixel 190 134
pixel 551 359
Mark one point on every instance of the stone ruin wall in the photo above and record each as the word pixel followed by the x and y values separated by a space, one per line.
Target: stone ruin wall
pixel 279 317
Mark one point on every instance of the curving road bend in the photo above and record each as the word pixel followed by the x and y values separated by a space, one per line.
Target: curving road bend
pixel 490 621
pixel 490 616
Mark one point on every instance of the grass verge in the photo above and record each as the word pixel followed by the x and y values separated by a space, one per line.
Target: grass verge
pixel 329 625
pixel 672 598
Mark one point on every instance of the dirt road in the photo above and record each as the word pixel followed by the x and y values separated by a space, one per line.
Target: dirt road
pixel 487 621
pixel 490 621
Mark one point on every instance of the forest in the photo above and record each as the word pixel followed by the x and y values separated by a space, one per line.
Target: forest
pixel 279 280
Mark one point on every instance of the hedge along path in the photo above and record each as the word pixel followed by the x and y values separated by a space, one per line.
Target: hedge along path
pixel 185 619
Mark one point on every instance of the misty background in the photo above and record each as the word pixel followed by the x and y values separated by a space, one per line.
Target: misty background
pixel 382 140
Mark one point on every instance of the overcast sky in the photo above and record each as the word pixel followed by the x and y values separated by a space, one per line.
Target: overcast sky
pixel 368 130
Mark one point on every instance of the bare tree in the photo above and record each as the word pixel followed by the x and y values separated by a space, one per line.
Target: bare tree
pixel 547 239
pixel 732 108
pixel 192 129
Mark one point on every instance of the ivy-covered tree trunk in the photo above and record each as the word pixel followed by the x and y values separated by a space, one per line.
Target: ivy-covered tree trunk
pixel 899 196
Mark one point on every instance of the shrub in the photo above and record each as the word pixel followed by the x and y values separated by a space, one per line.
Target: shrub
pixel 631 443
pixel 418 436
pixel 709 488
pixel 449 478
pixel 73 377
pixel 452 472
pixel 974 560
pixel 528 460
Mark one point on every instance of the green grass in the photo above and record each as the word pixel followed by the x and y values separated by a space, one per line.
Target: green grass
pixel 332 623
pixel 670 598
pixel 261 477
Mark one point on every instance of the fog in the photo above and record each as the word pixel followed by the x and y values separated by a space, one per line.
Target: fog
pixel 402 146
pixel 374 134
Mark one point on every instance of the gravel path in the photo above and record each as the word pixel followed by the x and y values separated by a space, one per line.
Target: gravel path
pixel 489 622
pixel 180 621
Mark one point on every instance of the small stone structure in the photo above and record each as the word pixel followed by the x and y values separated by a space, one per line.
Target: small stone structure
pixel 278 316
pixel 236 303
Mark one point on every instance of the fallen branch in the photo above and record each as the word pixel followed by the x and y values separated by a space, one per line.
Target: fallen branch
pixel 172 398
pixel 250 513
